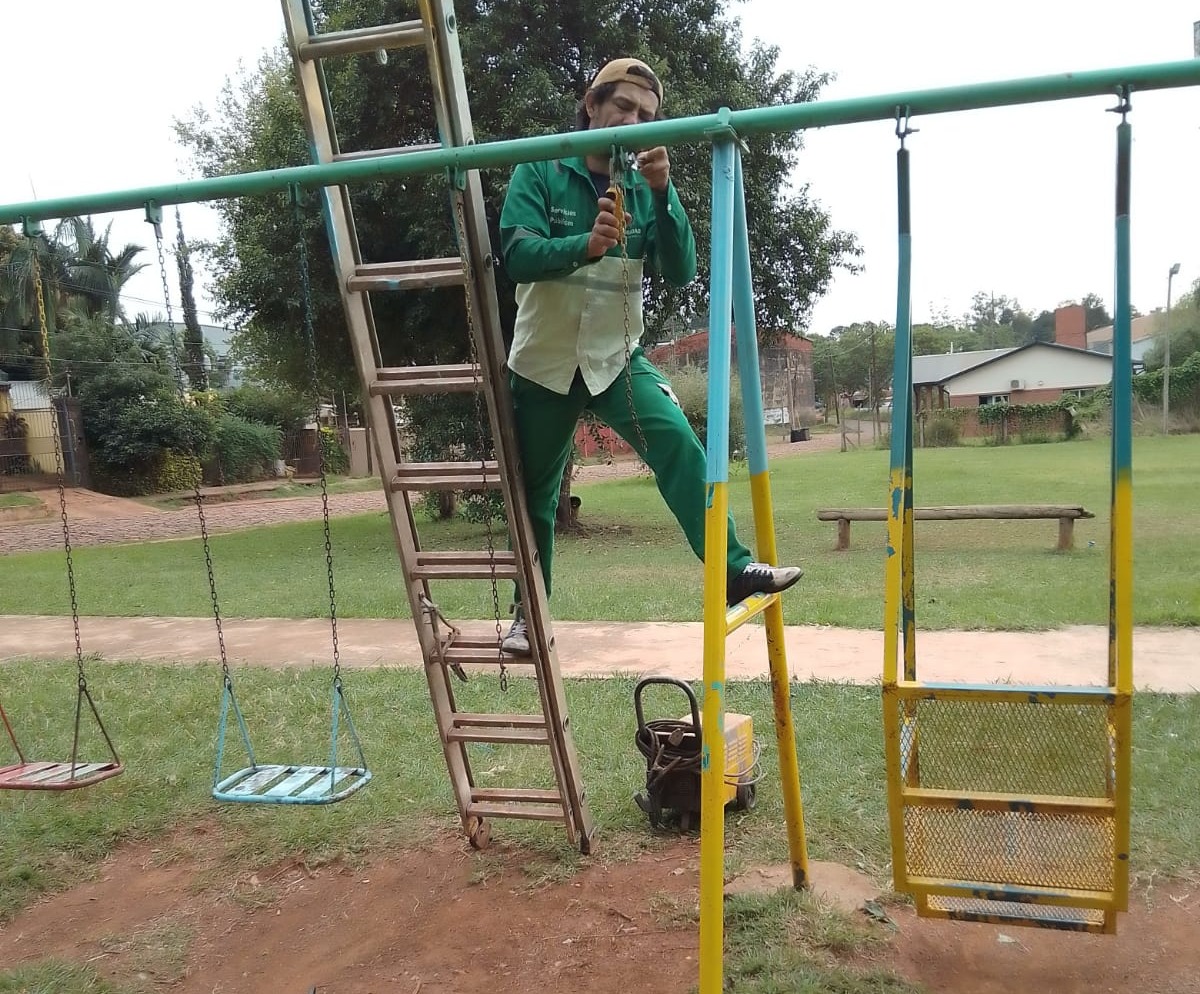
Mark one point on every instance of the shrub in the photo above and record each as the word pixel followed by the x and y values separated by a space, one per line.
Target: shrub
pixel 284 409
pixel 691 389
pixel 176 471
pixel 336 459
pixel 942 432
pixel 244 450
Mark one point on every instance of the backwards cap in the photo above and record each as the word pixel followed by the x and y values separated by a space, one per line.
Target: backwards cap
pixel 629 71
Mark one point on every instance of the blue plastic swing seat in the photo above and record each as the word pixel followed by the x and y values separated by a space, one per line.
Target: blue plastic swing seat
pixel 56 776
pixel 292 784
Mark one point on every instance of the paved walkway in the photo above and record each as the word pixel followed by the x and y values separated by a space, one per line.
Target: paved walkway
pixel 1165 659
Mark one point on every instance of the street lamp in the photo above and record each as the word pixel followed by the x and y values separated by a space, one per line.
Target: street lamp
pixel 1166 403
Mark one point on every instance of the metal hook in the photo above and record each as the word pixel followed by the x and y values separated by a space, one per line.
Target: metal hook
pixel 903 123
pixel 1124 107
pixel 154 216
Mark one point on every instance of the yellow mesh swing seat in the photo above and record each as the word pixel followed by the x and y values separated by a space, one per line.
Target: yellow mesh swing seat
pixel 1008 804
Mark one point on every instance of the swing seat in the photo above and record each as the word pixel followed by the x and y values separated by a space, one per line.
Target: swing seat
pixel 292 784
pixel 1008 803
pixel 56 776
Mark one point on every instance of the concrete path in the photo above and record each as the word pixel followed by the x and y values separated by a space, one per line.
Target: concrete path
pixel 1165 659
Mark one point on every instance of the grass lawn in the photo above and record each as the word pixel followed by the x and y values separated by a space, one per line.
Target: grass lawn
pixel 633 564
pixel 18 500
pixel 164 721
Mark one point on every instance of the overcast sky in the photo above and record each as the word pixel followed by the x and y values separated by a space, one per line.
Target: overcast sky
pixel 1016 202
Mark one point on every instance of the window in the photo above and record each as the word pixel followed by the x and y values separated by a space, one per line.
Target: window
pixel 1081 392
pixel 994 398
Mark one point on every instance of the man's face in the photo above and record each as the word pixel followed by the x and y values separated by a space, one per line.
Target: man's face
pixel 628 104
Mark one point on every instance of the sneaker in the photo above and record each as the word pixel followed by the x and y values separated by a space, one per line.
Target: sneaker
pixel 759 578
pixel 516 642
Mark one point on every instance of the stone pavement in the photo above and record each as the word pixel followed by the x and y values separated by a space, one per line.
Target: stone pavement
pixel 1165 659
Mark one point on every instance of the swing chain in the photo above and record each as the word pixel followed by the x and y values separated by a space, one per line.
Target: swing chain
pixel 197 496
pixel 311 357
pixel 616 190
pixel 473 357
pixel 60 462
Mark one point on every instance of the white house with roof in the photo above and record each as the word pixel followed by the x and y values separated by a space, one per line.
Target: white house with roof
pixel 1040 372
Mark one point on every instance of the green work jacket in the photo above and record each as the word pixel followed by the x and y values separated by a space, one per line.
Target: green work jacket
pixel 572 311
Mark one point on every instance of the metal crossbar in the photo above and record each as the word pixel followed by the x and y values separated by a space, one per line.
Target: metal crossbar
pixel 700 128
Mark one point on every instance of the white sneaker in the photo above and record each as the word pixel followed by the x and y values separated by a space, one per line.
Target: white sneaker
pixel 759 578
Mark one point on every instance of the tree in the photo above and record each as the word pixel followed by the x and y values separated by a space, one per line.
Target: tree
pixel 1096 313
pixel 533 79
pixel 193 337
pixel 852 358
pixel 1185 331
pixel 95 273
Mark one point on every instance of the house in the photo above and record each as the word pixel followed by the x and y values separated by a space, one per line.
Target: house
pixel 1040 372
pixel 28 404
pixel 1143 334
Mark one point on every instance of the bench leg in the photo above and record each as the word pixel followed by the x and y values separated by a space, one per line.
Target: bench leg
pixel 843 540
pixel 1066 534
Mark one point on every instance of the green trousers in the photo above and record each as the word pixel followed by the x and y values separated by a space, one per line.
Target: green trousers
pixel 546 424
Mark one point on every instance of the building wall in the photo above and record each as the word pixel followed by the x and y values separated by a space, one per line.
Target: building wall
pixel 1070 326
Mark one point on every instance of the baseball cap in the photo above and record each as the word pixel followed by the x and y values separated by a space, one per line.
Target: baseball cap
pixel 629 71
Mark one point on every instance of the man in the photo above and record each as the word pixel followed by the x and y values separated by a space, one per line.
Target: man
pixel 579 323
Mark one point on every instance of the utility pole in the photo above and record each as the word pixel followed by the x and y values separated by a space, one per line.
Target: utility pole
pixel 1166 398
pixel 874 387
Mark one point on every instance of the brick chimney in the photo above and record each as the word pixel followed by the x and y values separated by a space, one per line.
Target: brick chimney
pixel 1070 326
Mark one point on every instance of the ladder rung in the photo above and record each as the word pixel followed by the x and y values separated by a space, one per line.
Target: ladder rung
pixel 516 795
pixel 408 380
pixel 519 808
pixel 375 153
pixel 409 275
pixel 447 476
pixel 479 651
pixel 387 36
pixel 518 729
pixel 465 566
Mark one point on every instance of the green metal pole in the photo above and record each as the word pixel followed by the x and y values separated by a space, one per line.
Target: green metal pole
pixel 787 117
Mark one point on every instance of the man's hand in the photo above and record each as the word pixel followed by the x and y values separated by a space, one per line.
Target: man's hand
pixel 605 233
pixel 655 166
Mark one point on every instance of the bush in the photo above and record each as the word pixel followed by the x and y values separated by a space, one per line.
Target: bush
pixel 133 420
pixel 336 459
pixel 176 471
pixel 244 450
pixel 942 432
pixel 691 389
pixel 284 409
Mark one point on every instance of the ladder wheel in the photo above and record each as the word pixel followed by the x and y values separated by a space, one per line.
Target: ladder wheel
pixel 480 834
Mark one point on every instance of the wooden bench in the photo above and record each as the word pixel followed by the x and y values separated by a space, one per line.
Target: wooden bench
pixel 1066 514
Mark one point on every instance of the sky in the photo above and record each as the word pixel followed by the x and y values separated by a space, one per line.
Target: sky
pixel 1015 202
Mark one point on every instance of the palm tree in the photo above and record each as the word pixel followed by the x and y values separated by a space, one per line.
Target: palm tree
pixel 96 275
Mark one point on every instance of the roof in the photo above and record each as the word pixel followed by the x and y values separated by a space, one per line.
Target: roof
pixel 923 376
pixel 29 395
pixel 1139 330
pixel 939 368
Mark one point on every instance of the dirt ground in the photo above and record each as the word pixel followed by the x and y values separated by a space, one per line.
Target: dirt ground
pixel 446 919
